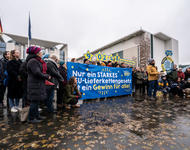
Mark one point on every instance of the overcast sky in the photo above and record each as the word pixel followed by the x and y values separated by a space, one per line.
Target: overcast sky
pixel 90 24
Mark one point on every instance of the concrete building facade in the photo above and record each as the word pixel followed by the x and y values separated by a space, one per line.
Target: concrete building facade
pixel 140 46
pixel 21 43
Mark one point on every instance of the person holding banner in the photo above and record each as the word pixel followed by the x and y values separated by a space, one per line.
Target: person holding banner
pixel 71 94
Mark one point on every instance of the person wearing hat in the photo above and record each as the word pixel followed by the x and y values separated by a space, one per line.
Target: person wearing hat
pixel 152 79
pixel 36 90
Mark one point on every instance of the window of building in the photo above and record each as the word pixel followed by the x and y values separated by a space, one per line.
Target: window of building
pixel 62 54
pixel 120 54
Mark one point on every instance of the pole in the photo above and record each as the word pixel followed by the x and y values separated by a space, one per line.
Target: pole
pixel 28 42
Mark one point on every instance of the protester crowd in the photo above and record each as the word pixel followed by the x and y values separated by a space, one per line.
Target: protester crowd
pixel 151 82
pixel 35 81
pixel 40 78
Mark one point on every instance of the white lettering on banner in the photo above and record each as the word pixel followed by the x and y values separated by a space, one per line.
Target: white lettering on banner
pixel 106 75
pixel 90 74
pixel 78 74
pixel 102 81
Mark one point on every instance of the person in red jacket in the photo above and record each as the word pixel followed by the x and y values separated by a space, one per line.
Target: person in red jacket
pixel 180 74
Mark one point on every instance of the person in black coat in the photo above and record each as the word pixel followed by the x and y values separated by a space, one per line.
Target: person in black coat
pixel 53 71
pixel 14 80
pixel 60 92
pixel 3 77
pixel 187 74
pixel 36 90
pixel 24 76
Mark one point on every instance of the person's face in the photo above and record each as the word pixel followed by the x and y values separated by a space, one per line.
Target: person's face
pixel 65 66
pixel 123 65
pixel 8 55
pixel 75 81
pixel 56 60
pixel 179 79
pixel 17 54
pixel 87 62
pixel 180 70
pixel 40 54
pixel 164 78
pixel 153 62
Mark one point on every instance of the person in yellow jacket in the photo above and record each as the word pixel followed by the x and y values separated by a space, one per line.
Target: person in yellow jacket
pixel 152 78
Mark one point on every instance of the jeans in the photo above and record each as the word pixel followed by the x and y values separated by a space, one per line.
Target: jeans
pixel 153 87
pixel 34 112
pixel 50 96
pixel 13 102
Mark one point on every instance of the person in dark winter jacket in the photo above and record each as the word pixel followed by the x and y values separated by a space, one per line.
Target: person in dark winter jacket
pixel 53 71
pixel 187 74
pixel 134 77
pixel 3 75
pixel 24 76
pixel 36 90
pixel 186 88
pixel 172 76
pixel 14 80
pixel 63 72
pixel 72 93
pixel 177 88
pixel 139 81
pixel 145 81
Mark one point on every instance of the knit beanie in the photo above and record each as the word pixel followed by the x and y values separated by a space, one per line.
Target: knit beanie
pixel 150 60
pixel 33 50
pixel 61 62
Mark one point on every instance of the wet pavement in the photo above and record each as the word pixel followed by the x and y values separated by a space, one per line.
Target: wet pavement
pixel 112 124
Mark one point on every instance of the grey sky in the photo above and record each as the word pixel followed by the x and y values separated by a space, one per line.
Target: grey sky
pixel 90 24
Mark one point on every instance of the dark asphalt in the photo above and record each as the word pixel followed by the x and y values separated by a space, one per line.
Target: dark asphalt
pixel 112 124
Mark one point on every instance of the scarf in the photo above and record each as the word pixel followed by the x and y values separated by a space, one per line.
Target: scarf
pixel 44 66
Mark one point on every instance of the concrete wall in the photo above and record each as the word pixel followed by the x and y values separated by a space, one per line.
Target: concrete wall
pixel 158 51
pixel 175 51
pixel 123 46
pixel 131 53
pixel 159 48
